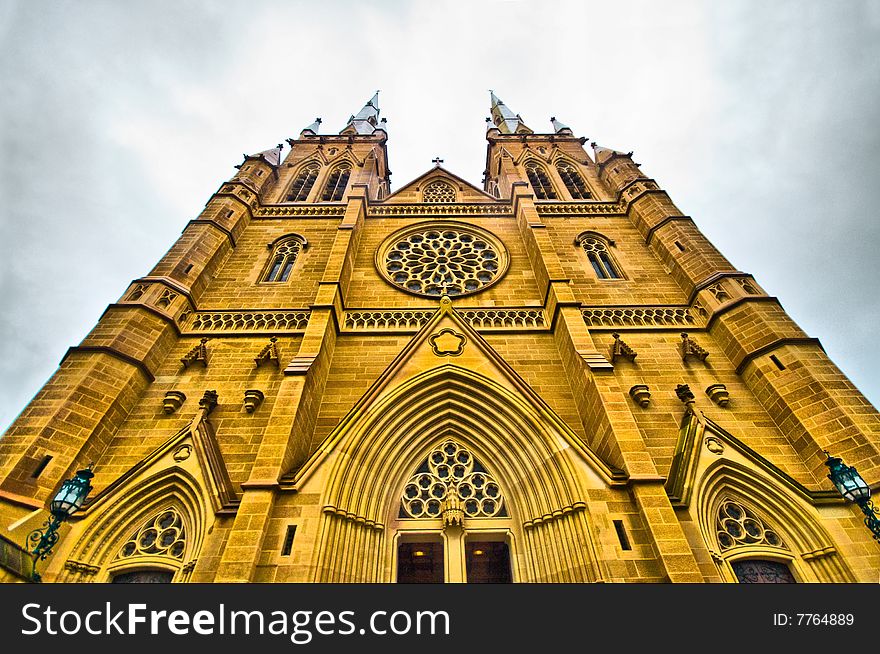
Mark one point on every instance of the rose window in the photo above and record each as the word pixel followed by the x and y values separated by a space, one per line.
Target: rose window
pixel 444 259
pixel 162 535
pixel 452 478
pixel 737 525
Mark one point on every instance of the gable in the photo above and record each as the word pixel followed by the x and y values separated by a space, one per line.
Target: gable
pixel 414 191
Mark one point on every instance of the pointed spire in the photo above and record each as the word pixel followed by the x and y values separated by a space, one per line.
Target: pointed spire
pixel 312 130
pixel 560 128
pixel 603 153
pixel 505 120
pixel 271 157
pixel 366 120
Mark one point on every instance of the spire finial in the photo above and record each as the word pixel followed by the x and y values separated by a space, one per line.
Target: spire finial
pixel 367 119
pixel 437 161
pixel 505 120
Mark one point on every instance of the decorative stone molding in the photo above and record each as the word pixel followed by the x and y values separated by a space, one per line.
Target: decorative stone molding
pixel 641 394
pixel 718 394
pixel 577 507
pixel 580 208
pixel 321 210
pixel 182 453
pixel 250 321
pixel 252 399
pixel 637 316
pixel 446 209
pixel 411 320
pixel 690 348
pixel 718 292
pixel 269 354
pixel 209 401
pixel 199 354
pixel 684 393
pixel 300 364
pixel 137 293
pixel 748 286
pixel 80 568
pixel 504 318
pixel 621 349
pixel 173 401
pixel 714 445
pixel 168 296
pixel 447 343
pixel 414 319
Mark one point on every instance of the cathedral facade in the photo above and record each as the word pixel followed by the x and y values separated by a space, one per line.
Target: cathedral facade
pixel 552 378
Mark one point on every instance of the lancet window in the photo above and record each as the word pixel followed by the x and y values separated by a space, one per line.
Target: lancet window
pixel 596 249
pixel 305 180
pixel 540 181
pixel 334 189
pixel 284 256
pixel 573 181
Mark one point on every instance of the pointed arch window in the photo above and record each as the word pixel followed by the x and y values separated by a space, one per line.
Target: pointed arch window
pixel 163 534
pixel 540 181
pixel 599 256
pixel 737 525
pixel 573 181
pixel 452 484
pixel 284 254
pixel 438 192
pixel 305 180
pixel 336 183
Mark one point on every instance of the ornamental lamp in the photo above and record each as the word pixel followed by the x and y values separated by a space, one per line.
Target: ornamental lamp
pixel 72 494
pixel 850 484
pixel 847 480
pixel 67 501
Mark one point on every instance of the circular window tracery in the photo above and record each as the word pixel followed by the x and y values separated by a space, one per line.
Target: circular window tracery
pixel 439 192
pixel 737 525
pixel 452 476
pixel 163 535
pixel 444 258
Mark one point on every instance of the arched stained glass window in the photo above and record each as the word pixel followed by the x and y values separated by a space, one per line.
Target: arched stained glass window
pixel 334 189
pixel 162 535
pixel 600 258
pixel 540 182
pixel 305 180
pixel 451 479
pixel 283 258
pixel 573 181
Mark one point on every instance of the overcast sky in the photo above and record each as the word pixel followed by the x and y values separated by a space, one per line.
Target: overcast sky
pixel 120 119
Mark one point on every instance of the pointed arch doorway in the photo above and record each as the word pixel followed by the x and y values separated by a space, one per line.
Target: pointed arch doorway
pixel 453 522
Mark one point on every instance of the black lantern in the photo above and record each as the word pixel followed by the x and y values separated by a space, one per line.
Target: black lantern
pixel 67 501
pixel 70 497
pixel 850 484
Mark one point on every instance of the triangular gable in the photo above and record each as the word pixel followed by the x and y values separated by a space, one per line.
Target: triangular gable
pixel 702 443
pixel 195 450
pixel 464 190
pixel 447 340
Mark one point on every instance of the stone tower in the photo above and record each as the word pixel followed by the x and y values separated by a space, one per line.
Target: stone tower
pixel 555 377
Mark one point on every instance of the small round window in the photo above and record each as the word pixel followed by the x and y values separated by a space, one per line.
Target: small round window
pixel 442 259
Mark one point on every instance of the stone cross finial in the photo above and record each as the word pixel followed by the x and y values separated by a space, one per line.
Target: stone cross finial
pixel 437 161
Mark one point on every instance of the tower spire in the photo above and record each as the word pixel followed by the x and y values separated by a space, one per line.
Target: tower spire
pixel 505 120
pixel 313 128
pixel 559 127
pixel 366 120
